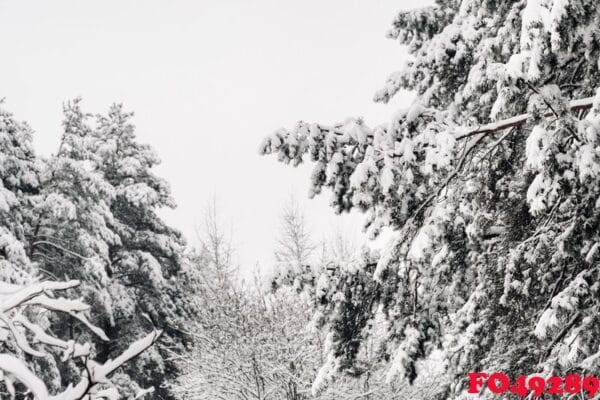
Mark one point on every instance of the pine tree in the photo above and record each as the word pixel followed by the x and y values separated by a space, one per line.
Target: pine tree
pixel 148 267
pixel 68 233
pixel 490 184
pixel 52 215
pixel 93 217
pixel 19 180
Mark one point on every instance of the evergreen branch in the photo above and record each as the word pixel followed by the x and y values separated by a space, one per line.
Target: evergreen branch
pixel 453 174
pixel 574 105
pixel 61 248
pixel 562 333
pixel 517 120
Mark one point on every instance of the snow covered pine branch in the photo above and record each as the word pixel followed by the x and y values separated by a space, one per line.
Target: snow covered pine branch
pixel 22 336
pixel 489 184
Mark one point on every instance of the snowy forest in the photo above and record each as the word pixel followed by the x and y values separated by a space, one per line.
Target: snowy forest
pixel 486 190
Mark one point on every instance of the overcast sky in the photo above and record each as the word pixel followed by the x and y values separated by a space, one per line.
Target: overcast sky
pixel 207 81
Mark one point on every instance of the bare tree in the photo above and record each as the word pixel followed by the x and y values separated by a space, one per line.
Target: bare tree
pixel 215 250
pixel 294 242
pixel 341 246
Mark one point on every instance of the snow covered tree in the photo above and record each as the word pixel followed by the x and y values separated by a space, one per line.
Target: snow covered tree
pixel 19 179
pixel 246 345
pixel 47 217
pixel 250 350
pixel 490 182
pixel 294 248
pixel 20 172
pixel 68 235
pixel 148 267
pixel 89 212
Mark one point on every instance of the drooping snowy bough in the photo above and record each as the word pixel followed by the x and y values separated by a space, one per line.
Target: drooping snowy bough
pixel 21 337
pixel 490 182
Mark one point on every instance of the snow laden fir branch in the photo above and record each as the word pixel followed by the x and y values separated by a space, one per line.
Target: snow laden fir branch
pixel 456 196
pixel 23 335
pixel 368 152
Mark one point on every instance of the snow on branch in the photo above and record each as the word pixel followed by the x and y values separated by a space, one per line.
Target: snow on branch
pixel 273 142
pixel 408 162
pixel 96 374
pixel 17 331
pixel 574 105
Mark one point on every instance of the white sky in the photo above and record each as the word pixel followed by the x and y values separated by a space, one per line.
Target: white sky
pixel 207 81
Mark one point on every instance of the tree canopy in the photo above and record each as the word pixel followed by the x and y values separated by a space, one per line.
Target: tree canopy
pixel 489 182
